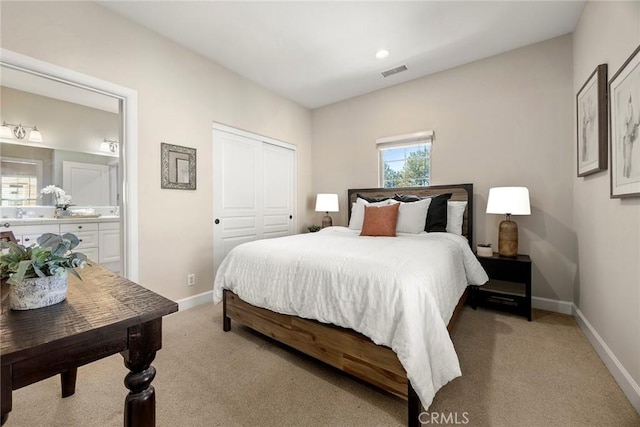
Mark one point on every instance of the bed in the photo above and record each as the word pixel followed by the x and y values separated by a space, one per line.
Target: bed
pixel 312 282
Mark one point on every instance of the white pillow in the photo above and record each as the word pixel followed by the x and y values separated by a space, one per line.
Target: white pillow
pixel 357 211
pixel 412 216
pixel 455 217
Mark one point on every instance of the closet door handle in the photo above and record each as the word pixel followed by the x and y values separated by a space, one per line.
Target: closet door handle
pixel 290 216
pixel 217 221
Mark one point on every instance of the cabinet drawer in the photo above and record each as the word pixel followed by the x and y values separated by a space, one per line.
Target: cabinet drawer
pixel 28 239
pixel 21 230
pixel 508 269
pixel 88 239
pixel 78 227
pixel 109 226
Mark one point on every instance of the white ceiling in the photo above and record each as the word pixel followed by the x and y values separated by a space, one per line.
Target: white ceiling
pixel 317 53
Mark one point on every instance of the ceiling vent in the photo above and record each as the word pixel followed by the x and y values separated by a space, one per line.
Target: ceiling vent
pixel 394 71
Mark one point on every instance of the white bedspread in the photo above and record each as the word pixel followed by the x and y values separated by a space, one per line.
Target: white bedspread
pixel 400 292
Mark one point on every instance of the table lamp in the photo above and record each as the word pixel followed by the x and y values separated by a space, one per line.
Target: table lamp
pixel 508 201
pixel 327 203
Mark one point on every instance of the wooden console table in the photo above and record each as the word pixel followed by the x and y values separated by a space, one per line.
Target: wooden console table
pixel 104 314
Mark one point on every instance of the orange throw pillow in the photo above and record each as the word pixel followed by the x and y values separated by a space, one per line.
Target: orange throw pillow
pixel 380 220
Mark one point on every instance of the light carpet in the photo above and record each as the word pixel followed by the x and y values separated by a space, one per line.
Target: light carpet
pixel 515 373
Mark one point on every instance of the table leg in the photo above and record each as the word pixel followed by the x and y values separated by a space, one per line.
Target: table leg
pixel 140 403
pixel 6 386
pixel 68 382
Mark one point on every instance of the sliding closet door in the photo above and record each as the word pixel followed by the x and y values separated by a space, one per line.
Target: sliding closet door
pixel 253 191
pixel 278 195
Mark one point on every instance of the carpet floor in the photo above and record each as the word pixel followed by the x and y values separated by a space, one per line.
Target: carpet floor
pixel 515 373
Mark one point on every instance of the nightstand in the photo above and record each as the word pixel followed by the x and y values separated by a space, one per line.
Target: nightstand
pixel 509 285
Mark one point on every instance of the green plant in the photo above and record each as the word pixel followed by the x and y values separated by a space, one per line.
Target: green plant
pixel 52 256
pixel 313 228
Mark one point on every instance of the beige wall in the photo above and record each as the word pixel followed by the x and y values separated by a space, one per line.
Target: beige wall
pixel 607 290
pixel 501 121
pixel 180 94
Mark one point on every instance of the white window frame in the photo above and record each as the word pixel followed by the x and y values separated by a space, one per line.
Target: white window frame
pixel 39 173
pixel 403 141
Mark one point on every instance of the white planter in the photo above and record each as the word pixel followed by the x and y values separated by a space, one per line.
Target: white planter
pixel 38 292
pixel 484 251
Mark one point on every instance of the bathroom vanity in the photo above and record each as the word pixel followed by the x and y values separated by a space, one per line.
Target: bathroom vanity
pixel 99 237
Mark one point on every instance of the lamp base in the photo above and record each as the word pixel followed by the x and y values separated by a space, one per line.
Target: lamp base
pixel 327 221
pixel 508 239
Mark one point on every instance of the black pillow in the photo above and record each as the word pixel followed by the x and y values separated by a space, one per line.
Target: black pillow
pixel 372 199
pixel 407 198
pixel 437 214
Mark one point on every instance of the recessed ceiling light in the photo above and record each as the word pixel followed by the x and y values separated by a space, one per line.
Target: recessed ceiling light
pixel 382 53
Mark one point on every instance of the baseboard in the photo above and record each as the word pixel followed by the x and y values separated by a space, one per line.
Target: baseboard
pixel 195 300
pixel 620 374
pixel 557 306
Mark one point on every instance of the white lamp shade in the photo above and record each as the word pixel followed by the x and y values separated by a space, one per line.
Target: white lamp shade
pixel 509 200
pixel 327 203
pixel 35 135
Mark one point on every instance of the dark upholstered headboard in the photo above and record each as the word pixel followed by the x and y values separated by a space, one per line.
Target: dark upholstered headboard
pixel 460 192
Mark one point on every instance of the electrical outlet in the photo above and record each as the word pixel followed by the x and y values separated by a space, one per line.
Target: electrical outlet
pixel 191 279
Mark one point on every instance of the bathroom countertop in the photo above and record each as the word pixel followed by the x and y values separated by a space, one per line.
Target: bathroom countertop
pixel 63 220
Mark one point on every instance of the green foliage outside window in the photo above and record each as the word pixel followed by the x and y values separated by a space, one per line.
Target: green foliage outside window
pixel 414 171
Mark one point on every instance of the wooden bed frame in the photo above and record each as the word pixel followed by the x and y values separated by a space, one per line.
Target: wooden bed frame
pixel 342 348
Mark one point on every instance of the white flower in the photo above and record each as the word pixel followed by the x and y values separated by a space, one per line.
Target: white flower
pixel 52 189
pixel 63 199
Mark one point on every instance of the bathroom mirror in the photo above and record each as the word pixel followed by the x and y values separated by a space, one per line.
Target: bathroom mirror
pixel 74 126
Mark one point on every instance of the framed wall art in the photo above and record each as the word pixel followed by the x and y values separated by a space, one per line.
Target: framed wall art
pixel 624 110
pixel 591 113
pixel 178 166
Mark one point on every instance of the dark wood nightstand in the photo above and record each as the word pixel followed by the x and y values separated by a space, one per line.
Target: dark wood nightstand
pixel 509 285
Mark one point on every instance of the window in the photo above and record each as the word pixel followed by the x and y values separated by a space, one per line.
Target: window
pixel 19 182
pixel 405 160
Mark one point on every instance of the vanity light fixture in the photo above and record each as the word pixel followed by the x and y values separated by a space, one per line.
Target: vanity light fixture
pixel 20 132
pixel 109 146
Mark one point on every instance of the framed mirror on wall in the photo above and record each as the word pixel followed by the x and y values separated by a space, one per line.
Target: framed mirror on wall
pixel 178 166
pixel 96 143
